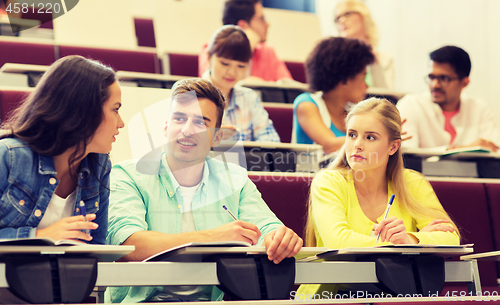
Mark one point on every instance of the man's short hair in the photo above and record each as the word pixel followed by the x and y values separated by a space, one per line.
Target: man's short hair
pixel 203 89
pixel 456 57
pixel 335 60
pixel 236 10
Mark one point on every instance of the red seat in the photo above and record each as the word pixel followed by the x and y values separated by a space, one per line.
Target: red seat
pixel 467 204
pixel 287 197
pixel 183 64
pixel 44 18
pixel 10 100
pixel 493 192
pixel 282 120
pixel 26 53
pixel 124 60
pixel 145 32
pixel 298 71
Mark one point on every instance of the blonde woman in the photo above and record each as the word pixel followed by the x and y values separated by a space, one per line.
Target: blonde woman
pixel 348 200
pixel 353 20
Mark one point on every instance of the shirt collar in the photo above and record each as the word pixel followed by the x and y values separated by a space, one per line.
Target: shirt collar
pixel 173 186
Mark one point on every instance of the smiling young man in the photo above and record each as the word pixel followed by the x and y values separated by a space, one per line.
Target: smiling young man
pixel 444 117
pixel 249 15
pixel 182 202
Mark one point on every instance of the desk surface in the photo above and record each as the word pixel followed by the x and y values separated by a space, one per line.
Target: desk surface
pixel 104 253
pixel 174 273
pixel 22 68
pixel 488 256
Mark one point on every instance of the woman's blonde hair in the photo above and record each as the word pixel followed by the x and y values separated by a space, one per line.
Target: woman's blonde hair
pixel 361 8
pixel 389 116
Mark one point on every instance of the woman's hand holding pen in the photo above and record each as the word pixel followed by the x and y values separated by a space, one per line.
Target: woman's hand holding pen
pixel 69 228
pixel 393 230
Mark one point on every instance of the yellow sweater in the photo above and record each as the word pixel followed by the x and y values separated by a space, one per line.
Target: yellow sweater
pixel 340 223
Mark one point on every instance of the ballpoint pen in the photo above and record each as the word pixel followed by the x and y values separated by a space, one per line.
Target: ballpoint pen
pixel 84 214
pixel 387 212
pixel 227 210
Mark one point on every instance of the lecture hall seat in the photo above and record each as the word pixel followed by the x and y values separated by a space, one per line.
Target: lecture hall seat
pixel 45 19
pixel 286 197
pixel 298 71
pixel 26 53
pixel 182 64
pixel 493 192
pixel 123 60
pixel 145 32
pixel 10 100
pixel 282 118
pixel 467 205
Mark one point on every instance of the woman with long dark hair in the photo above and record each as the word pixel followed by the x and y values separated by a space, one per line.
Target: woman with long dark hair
pixel 54 162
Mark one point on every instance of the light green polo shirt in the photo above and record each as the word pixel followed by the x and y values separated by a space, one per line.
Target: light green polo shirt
pixel 147 197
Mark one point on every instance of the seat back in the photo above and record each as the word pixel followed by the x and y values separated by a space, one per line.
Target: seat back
pixel 282 117
pixel 287 196
pixel 10 100
pixel 467 205
pixel 145 32
pixel 298 71
pixel 124 60
pixel 26 53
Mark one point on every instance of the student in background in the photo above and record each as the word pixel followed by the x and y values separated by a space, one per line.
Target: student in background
pixel 54 154
pixel 249 15
pixel 444 117
pixel 336 72
pixel 181 198
pixel 228 56
pixel 353 20
pixel 349 199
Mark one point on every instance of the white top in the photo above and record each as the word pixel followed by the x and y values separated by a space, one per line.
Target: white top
pixel 425 122
pixel 57 209
pixel 187 213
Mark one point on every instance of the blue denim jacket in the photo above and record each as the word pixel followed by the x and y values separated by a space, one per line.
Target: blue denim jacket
pixel 27 182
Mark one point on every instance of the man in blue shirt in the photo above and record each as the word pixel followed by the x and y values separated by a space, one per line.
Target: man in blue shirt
pixel 182 201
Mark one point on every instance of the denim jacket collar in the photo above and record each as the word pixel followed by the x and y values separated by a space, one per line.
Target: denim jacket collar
pixel 46 166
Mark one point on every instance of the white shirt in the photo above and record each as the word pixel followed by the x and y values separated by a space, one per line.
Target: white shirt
pixel 425 122
pixel 57 209
pixel 187 213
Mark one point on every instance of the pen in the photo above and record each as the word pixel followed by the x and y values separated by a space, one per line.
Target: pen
pixel 84 214
pixel 227 210
pixel 387 212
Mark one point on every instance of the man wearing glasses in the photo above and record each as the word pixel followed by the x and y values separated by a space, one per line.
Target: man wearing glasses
pixel 444 118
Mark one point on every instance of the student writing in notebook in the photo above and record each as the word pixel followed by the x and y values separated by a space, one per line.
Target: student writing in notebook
pixel 54 154
pixel 179 198
pixel 349 199
pixel 229 55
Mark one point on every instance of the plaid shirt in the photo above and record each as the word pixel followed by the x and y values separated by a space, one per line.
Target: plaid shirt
pixel 245 111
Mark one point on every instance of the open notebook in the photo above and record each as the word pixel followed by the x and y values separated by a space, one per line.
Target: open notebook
pixel 48 246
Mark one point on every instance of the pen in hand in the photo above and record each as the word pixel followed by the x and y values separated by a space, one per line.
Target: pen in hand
pixel 84 214
pixel 227 210
pixel 387 212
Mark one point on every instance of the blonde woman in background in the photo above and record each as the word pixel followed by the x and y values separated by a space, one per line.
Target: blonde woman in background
pixel 348 200
pixel 353 20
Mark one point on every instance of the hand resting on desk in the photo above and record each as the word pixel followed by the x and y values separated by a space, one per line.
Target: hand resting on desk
pixel 393 230
pixel 69 228
pixel 281 243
